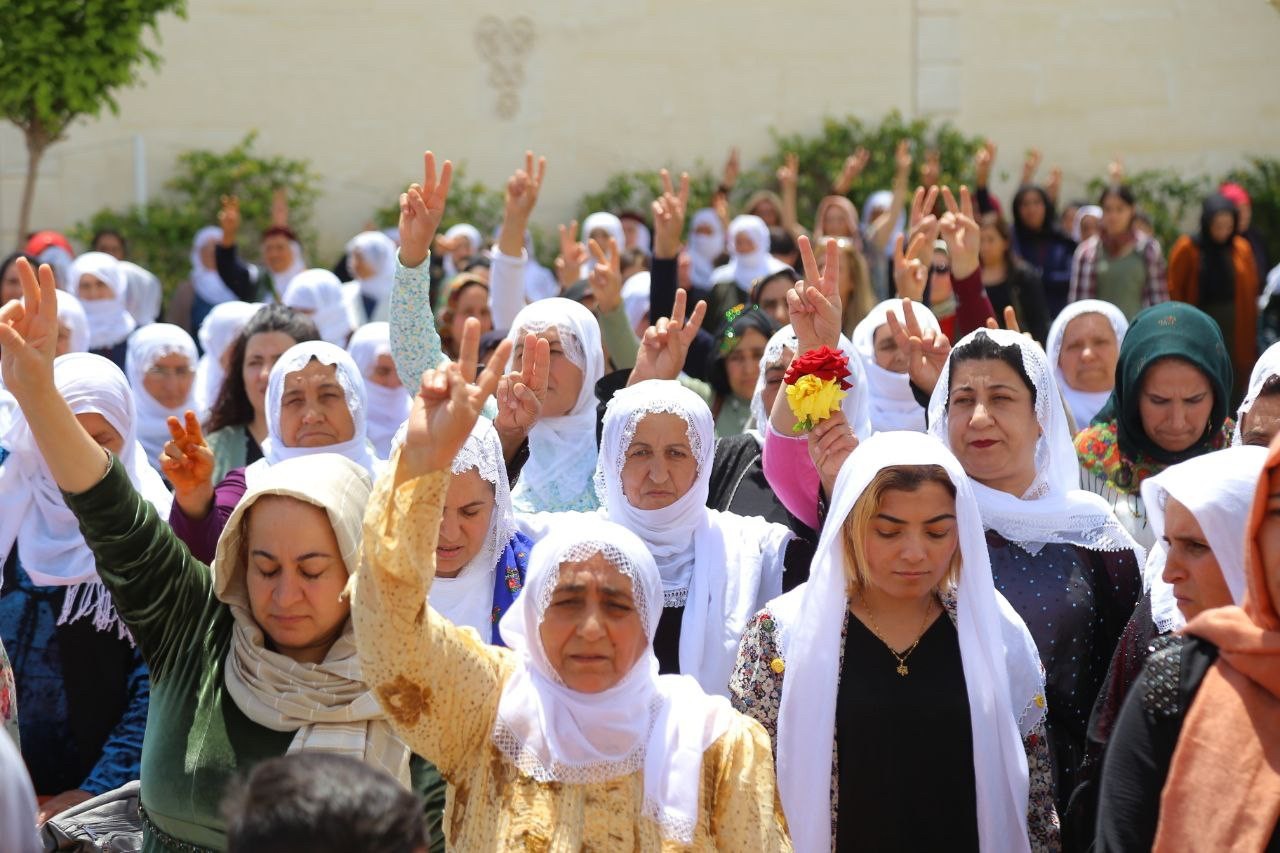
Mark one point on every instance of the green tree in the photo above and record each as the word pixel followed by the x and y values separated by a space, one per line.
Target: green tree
pixel 60 61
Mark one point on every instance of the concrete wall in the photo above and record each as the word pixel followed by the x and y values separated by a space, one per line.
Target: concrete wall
pixel 361 88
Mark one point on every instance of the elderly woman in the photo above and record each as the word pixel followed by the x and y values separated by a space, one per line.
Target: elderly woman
pixel 1169 404
pixel 569 737
pixel 250 658
pixel 100 285
pixel 1258 417
pixel 749 259
pixel 1083 346
pixel 900 631
pixel 161 366
pixel 1192 760
pixel 318 294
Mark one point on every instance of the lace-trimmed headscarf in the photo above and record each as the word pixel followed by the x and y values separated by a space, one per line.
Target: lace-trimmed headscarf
pixel 658 724
pixel 1002 672
pixel 71 316
pixel 562 457
pixel 1083 404
pixel 893 405
pixel 857 403
pixel 1216 489
pixel 147 346
pixel 745 267
pixel 1054 508
pixel 379 251
pixel 319 292
pixel 1267 365
pixel 783 340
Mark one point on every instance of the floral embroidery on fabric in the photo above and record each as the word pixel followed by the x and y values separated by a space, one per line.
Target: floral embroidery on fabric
pixel 1098 447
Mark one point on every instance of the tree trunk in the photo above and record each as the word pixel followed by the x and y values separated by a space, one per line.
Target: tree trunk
pixel 36 146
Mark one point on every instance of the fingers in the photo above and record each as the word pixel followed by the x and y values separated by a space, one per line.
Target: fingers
pixel 831 273
pixel 895 328
pixel 1011 319
pixel 690 330
pixel 667 189
pixel 469 348
pixel 677 308
pixel 428 172
pixel 597 252
pixel 488 379
pixel 992 324
pixel 541 367
pixel 931 200
pixel 193 427
pixel 909 316
pixel 919 242
pixel 949 200
pixel 528 355
pixel 442 190
pixel 684 191
pixel 966 202
pixel 807 260
pixel 542 172
pixel 175 428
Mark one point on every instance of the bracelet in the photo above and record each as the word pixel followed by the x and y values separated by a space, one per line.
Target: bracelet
pixel 106 470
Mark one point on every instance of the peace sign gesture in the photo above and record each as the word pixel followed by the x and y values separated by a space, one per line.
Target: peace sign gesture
pixel 572 255
pixel 523 189
pixel 814 303
pixel 606 276
pixel 421 209
pixel 29 333
pixel 522 392
pixel 187 463
pixel 666 343
pixel 927 351
pixel 668 216
pixel 960 230
pixel 910 272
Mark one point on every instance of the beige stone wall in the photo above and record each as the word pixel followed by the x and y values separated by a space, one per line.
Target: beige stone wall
pixel 362 87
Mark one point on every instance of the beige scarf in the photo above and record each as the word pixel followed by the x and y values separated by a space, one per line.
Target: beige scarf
pixel 327 704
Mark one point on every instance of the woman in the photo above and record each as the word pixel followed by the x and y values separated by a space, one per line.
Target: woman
pixel 1084 346
pixel 734 367
pixel 464 241
pixel 371 259
pixel 856 293
pixel 217 336
pixel 1058 553
pixel 161 366
pixel 749 259
pixel 1038 241
pixel 318 294
pixel 769 294
pixel 1258 418
pixel 316 403
pixel 10 283
pixel 468 297
pixel 143 293
pixel 1086 222
pixel 836 217
pixel 1119 264
pixel 907 541
pixel 389 402
pixel 1008 280
pixel 281 254
pixel 237 426
pixel 82 684
pixel 1214 271
pixel 1191 764
pixel 96 280
pixel 706 246
pixel 209 289
pixel 893 404
pixel 1169 404
pixel 885 220
pixel 570 736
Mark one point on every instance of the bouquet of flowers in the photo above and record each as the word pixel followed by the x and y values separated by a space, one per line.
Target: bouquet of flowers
pixel 815 384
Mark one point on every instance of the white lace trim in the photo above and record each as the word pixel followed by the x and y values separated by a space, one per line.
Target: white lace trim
pixel 569 340
pixel 675 597
pixel 581 551
pixel 669 407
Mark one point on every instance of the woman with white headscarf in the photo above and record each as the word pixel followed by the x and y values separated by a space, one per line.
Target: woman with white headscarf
pixel 161 366
pixel 601 226
pixel 706 245
pixel 315 402
pixel 101 287
pixel 217 335
pixel 570 734
pixel 463 240
pixel 749 259
pixel 250 658
pixel 318 294
pixel 389 400
pixel 144 293
pixel 1083 347
pixel 893 404
pixel 206 282
pixel 947 711
pixel 82 685
pixel 371 259
pixel 1058 553
pixel 1258 418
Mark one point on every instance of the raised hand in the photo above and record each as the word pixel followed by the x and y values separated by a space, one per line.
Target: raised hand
pixel 280 208
pixel 447 405
pixel 960 230
pixel 1115 171
pixel 853 166
pixel 665 345
pixel 902 159
pixel 910 266
pixel 606 277
pixel 922 205
pixel 732 168
pixel 522 392
pixel 927 351
pixel 522 195
pixel 668 216
pixel 29 334
pixel 1010 322
pixel 572 256
pixel 186 460
pixel 421 209
pixel 1030 165
pixel 814 303
pixel 229 219
pixel 1054 185
pixel 789 172
pixel 830 443
pixel 931 171
pixel 982 161
pixel 720 204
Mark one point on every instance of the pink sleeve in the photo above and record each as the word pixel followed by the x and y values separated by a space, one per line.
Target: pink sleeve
pixel 790 471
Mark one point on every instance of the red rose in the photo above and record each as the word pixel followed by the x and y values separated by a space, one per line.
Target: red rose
pixel 825 363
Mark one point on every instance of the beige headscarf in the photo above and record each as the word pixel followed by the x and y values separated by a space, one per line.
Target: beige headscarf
pixel 327 704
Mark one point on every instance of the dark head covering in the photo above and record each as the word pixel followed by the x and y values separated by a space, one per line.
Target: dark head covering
pixel 1177 330
pixel 1217 272
pixel 734 326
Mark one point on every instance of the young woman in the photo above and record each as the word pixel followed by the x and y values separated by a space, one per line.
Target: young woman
pixel 1119 265
pixel 899 632
pixel 96 280
pixel 217 335
pixel 1083 347
pixel 237 426
pixel 1039 241
pixel 370 349
pixel 161 366
pixel 1008 280
pixel 734 367
pixel 468 297
pixel 571 735
pixel 893 404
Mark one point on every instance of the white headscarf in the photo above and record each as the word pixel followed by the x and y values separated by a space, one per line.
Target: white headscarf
pixel 719 566
pixel 109 319
pixel 1084 405
pixel 388 407
pixel 562 455
pixel 1088 210
pixel 218 331
pixel 1267 365
pixel 327 704
pixel 206 281
pixel 745 268
pixel 1002 672
pixel 472 235
pixel 1217 489
pixel 147 346
pixel 782 340
pixel 635 297
pixel 705 249
pixel 294 359
pixel 601 221
pixel 857 402
pixel 71 315
pixel 297 265
pixel 882 199
pixel 660 724
pixel 32 511
pixel 893 405
pixel 320 292
pixel 143 294
pixel 1055 508
pixel 379 251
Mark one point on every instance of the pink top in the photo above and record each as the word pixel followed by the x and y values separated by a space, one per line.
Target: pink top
pixel 791 472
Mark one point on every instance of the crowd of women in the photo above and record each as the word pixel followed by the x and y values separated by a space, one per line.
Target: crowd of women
pixel 553 549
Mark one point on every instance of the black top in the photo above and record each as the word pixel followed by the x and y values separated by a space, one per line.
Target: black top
pixel 244 280
pixel 1023 290
pixel 1142 744
pixel 904 747
pixel 666 643
pixel 252 450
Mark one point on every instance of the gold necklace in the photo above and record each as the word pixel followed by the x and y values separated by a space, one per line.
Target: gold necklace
pixel 875 629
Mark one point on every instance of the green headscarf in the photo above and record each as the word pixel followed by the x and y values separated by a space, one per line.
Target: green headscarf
pixel 1170 329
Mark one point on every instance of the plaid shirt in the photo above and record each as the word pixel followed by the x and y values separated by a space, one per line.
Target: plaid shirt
pixel 1084 270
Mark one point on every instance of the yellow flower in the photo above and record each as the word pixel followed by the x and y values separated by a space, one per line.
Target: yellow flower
pixel 813 400
pixel 777 665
